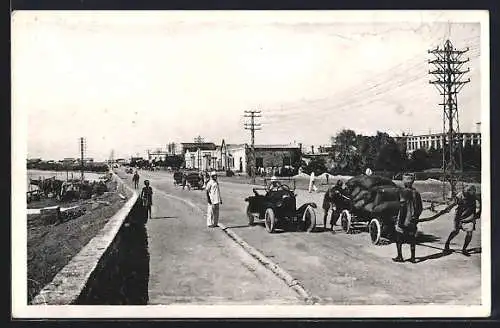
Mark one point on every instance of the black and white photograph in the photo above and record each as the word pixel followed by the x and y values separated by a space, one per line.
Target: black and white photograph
pixel 250 164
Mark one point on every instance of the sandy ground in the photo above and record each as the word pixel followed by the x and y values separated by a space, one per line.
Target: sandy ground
pixel 337 268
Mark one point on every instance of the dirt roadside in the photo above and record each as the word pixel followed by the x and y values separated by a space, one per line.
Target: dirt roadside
pixel 52 246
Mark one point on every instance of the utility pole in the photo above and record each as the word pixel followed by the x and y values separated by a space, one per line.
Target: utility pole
pixel 448 75
pixel 82 155
pixel 252 126
pixel 198 140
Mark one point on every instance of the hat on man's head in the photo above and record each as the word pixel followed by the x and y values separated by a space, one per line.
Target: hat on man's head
pixel 213 173
pixel 408 178
pixel 273 178
pixel 471 190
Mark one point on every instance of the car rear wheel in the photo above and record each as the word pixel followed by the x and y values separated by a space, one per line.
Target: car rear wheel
pixel 270 220
pixel 375 231
pixel 250 216
pixel 309 219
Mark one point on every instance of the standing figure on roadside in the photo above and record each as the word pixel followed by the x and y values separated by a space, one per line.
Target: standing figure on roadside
pixel 147 198
pixel 466 215
pixel 214 201
pixel 336 201
pixel 185 182
pixel 407 219
pixel 312 185
pixel 135 179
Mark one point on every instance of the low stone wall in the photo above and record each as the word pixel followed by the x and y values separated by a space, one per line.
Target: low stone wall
pixel 113 268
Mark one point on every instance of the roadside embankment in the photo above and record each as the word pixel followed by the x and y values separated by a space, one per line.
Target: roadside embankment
pixel 108 266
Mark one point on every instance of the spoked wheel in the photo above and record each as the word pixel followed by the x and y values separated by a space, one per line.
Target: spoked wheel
pixel 309 219
pixel 375 231
pixel 345 221
pixel 251 219
pixel 270 220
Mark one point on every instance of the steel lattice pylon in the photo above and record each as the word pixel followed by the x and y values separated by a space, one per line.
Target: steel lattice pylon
pixel 448 73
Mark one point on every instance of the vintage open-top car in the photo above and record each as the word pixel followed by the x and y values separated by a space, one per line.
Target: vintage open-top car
pixel 276 206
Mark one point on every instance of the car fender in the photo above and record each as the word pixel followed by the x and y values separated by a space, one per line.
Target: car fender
pixel 302 209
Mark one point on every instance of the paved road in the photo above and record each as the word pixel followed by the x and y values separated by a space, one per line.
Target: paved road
pixel 190 263
pixel 335 267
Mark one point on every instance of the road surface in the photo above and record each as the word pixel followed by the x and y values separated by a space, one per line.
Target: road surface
pixel 191 263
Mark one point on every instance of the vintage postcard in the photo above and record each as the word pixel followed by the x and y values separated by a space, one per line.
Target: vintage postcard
pixel 250 164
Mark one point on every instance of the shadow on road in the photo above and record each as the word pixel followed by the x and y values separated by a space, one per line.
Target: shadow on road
pixel 240 226
pixel 475 250
pixel 427 238
pixel 123 278
pixel 163 217
pixel 434 256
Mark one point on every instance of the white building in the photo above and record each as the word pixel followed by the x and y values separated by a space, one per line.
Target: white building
pixel 435 140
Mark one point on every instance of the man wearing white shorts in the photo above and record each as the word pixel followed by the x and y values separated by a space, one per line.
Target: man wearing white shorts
pixel 214 200
pixel 466 215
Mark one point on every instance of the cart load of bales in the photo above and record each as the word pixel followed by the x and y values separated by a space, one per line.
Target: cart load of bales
pixel 373 196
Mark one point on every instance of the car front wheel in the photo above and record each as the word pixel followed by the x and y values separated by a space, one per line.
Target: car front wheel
pixel 309 219
pixel 270 220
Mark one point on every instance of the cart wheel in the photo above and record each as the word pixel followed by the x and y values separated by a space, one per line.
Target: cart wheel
pixel 375 231
pixel 250 217
pixel 309 219
pixel 270 220
pixel 345 221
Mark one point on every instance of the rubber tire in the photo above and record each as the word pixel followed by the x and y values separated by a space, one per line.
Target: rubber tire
pixel 346 221
pixel 310 224
pixel 251 219
pixel 270 220
pixel 375 230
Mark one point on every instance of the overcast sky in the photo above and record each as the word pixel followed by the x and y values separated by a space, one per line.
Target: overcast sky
pixel 133 81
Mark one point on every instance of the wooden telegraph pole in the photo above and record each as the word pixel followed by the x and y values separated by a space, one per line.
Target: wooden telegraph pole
pixel 252 126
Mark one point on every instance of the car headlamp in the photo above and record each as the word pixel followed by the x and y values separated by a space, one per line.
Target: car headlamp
pixel 279 204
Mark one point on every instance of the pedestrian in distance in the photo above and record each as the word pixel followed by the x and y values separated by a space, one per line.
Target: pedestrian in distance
pixel 312 185
pixel 185 183
pixel 407 219
pixel 147 198
pixel 135 179
pixel 214 201
pixel 465 218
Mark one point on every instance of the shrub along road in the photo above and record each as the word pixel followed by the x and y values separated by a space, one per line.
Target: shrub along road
pixel 190 263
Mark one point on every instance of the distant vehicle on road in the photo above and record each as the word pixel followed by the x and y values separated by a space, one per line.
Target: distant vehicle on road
pixel 194 180
pixel 129 170
pixel 177 178
pixel 277 207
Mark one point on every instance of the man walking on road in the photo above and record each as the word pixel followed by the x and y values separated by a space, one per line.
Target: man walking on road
pixel 135 178
pixel 147 198
pixel 465 217
pixel 214 200
pixel 409 212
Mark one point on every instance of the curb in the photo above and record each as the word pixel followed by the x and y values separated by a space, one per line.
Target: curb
pixel 71 280
pixel 270 265
pixel 261 258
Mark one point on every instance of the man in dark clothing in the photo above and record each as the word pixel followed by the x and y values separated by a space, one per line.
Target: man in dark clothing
pixel 466 215
pixel 336 200
pixel 409 212
pixel 147 198
pixel 135 178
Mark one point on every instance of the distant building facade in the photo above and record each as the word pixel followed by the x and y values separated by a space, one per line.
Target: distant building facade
pixel 236 157
pixel 435 140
